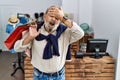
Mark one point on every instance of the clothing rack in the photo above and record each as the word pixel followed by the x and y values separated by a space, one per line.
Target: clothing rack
pixel 20 58
pixel 0 50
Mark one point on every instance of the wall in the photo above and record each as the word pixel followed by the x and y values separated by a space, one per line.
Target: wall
pixel 71 7
pixel 118 63
pixel 12 7
pixel 81 9
pixel 105 21
pixel 85 11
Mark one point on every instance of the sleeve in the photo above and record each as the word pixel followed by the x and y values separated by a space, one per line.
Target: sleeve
pixel 18 47
pixel 75 33
pixel 7 29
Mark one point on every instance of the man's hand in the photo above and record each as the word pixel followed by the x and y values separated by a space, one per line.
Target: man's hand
pixel 57 12
pixel 32 34
pixel 33 31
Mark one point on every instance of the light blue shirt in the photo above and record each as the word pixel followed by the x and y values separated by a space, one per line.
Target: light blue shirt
pixel 9 29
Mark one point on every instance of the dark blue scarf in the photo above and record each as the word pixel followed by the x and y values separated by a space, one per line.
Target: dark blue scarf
pixel 51 47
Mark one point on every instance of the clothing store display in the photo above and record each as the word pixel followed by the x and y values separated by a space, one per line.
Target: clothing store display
pixel 11 27
pixel 23 20
pixel 13 23
pixel 16 35
pixel 13 20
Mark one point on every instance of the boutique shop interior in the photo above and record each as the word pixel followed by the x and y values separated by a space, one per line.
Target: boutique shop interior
pixel 96 56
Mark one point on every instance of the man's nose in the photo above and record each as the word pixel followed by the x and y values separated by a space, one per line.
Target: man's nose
pixel 53 18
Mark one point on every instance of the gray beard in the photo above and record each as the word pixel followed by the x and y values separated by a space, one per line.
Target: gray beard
pixel 48 28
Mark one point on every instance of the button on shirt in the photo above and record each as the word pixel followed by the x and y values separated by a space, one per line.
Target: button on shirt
pixel 55 63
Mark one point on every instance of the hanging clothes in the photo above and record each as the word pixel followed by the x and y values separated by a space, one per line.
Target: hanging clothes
pixel 10 28
pixel 13 23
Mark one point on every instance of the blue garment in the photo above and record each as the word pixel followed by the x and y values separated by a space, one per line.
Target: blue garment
pixel 40 76
pixel 12 51
pixel 51 47
pixel 23 20
pixel 68 56
pixel 9 30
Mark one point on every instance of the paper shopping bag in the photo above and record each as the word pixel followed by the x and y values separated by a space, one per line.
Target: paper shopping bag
pixel 16 35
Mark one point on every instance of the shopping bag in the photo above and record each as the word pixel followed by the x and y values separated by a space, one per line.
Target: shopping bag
pixel 15 35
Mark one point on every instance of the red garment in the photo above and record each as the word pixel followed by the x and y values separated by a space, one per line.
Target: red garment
pixel 15 35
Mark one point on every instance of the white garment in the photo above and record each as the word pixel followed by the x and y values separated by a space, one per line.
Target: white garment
pixel 54 64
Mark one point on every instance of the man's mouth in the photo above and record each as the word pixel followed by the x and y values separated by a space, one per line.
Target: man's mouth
pixel 52 23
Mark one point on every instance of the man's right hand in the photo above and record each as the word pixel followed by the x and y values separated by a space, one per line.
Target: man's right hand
pixel 33 31
pixel 32 34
